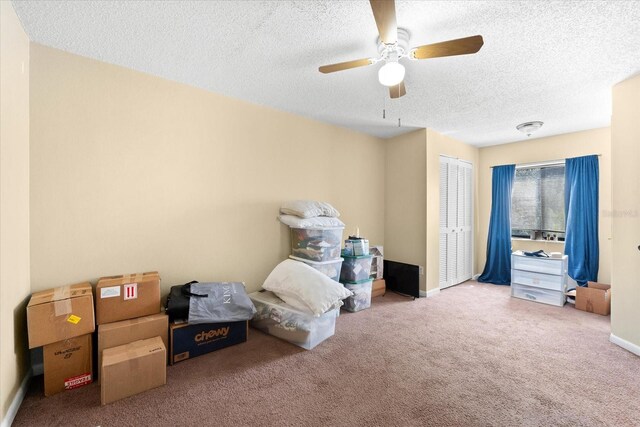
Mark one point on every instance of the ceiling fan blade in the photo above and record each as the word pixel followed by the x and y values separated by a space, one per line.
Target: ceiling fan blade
pixel 332 68
pixel 397 91
pixel 384 12
pixel 463 46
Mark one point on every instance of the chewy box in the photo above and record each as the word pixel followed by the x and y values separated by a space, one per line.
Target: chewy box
pixel 316 244
pixel 189 341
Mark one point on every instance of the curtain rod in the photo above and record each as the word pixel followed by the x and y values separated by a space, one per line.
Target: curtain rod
pixel 544 163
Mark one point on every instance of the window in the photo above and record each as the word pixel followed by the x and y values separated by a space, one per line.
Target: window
pixel 537 204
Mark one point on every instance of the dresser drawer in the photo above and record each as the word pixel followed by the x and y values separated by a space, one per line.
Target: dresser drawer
pixel 544 296
pixel 557 266
pixel 539 280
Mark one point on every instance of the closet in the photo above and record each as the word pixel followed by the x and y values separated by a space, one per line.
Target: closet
pixel 456 221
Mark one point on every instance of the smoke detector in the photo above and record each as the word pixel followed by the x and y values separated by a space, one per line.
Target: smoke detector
pixel 529 127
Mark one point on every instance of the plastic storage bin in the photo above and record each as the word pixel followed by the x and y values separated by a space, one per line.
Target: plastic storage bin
pixel 356 247
pixel 316 244
pixel 279 319
pixel 539 280
pixel 328 268
pixel 361 298
pixel 355 268
pixel 544 296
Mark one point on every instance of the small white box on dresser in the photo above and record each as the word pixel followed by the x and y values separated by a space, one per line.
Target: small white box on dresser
pixel 539 279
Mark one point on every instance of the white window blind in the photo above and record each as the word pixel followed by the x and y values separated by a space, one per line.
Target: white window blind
pixel 537 203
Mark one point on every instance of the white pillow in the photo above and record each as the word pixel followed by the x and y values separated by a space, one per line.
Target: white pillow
pixel 298 304
pixel 316 222
pixel 308 209
pixel 297 284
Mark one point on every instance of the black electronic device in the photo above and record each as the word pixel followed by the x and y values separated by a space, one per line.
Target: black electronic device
pixel 402 278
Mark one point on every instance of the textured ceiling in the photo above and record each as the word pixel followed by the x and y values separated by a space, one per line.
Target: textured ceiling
pixel 553 61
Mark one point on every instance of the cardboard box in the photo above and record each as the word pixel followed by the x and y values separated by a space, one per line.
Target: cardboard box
pixel 60 313
pixel 67 364
pixel 127 297
pixel 594 298
pixel 378 288
pixel 189 341
pixel 132 368
pixel 126 331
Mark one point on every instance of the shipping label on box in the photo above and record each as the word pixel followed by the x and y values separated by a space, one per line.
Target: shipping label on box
pixel 126 331
pixel 127 297
pixel 132 368
pixel 60 313
pixel 188 341
pixel 67 364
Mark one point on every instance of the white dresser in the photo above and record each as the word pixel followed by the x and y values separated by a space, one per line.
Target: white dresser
pixel 539 279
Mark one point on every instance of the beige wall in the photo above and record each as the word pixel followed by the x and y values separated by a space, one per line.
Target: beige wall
pixel 131 172
pixel 412 222
pixel 625 157
pixel 14 206
pixel 405 201
pixel 597 141
pixel 438 145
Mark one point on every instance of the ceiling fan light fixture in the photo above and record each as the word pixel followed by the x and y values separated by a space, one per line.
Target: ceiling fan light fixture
pixel 529 127
pixel 391 73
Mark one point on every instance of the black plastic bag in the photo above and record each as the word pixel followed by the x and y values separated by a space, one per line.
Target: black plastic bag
pixel 177 306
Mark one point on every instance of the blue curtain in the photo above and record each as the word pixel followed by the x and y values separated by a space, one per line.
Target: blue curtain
pixel 497 269
pixel 581 213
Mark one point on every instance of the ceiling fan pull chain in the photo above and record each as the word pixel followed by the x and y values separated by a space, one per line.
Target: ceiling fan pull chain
pixel 384 106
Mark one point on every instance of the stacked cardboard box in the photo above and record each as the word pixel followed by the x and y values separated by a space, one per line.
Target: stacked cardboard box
pixel 132 368
pixel 132 335
pixel 61 320
pixel 378 288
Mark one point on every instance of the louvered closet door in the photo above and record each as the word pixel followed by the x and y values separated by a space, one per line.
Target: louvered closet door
pixel 465 221
pixel 444 185
pixel 452 223
pixel 456 220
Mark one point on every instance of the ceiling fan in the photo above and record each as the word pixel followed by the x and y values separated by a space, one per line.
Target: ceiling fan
pixel 393 47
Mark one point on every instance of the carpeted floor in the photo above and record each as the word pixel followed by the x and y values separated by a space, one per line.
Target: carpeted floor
pixel 470 356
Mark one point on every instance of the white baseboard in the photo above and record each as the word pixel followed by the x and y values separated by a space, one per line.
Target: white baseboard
pixel 422 294
pixel 633 348
pixel 431 293
pixel 475 277
pixel 17 401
